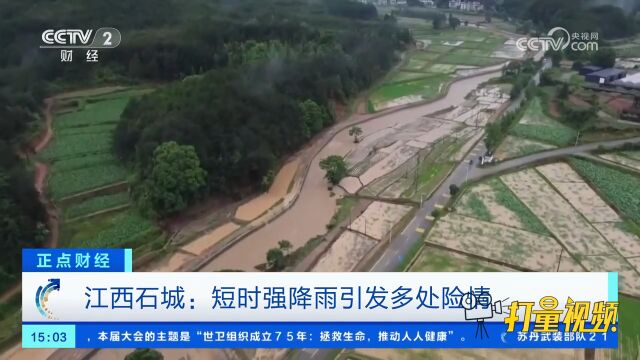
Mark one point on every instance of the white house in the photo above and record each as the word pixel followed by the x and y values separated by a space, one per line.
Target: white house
pixel 466 5
pixel 428 3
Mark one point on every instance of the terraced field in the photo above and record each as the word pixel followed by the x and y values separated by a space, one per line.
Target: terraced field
pixel 81 162
pixel 426 72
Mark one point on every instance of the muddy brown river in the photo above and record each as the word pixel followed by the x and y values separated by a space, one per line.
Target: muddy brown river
pixel 314 208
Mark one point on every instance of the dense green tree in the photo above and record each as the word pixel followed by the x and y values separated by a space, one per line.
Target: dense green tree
pixel 563 91
pixel 438 21
pixel 352 9
pixel 605 57
pixel 314 117
pixel 355 131
pixel 335 167
pixel 275 259
pixel 285 246
pixel 174 179
pixel 454 22
pixel 556 57
pixel 144 354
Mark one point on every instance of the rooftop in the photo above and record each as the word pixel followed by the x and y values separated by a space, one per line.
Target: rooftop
pixel 607 72
pixel 632 81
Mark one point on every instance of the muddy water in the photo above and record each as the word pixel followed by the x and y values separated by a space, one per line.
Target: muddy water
pixel 277 191
pixel 313 210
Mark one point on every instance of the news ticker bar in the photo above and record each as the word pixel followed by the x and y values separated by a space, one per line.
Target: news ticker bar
pixel 303 335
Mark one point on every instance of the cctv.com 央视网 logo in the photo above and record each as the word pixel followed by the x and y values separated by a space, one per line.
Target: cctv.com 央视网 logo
pixel 558 39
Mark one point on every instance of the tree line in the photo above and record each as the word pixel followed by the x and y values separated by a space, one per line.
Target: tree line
pixel 579 16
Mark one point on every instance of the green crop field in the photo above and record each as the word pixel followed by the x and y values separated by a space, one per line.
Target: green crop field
pixel 438 260
pixel 82 162
pixel 95 204
pixel 81 159
pixel 426 55
pixel 535 125
pixel 559 136
pixel 62 184
pixel 508 199
pixel 402 76
pixel 415 64
pixel 107 111
pixel 66 146
pixel 81 155
pixel 629 342
pixel 437 63
pixel 428 88
pixel 459 58
pixel 127 228
pixel 619 188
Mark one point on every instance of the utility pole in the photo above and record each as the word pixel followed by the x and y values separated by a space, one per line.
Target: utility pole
pixel 365 226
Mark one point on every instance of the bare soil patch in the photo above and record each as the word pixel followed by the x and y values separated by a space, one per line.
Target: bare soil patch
pixel 557 214
pixel 625 242
pixel 497 242
pixel 567 264
pixel 345 253
pixel 208 240
pixel 173 263
pixel 628 277
pixel 512 147
pixel 485 193
pixel 620 104
pixel 379 217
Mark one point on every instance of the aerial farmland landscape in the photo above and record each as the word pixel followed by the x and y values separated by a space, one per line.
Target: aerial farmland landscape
pixel 324 136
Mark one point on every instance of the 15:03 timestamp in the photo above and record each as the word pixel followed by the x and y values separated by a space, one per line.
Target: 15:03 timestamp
pixel 43 337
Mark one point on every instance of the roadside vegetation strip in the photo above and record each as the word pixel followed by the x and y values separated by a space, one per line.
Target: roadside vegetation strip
pixel 96 204
pixel 431 259
pixel 635 155
pixel 620 188
pixel 619 158
pixel 428 179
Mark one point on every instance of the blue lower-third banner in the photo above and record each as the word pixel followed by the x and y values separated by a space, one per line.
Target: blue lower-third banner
pixel 306 335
